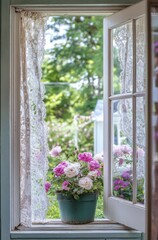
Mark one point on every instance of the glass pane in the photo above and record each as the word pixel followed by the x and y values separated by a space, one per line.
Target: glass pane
pixel 122 59
pixel 140 54
pixel 122 155
pixel 140 153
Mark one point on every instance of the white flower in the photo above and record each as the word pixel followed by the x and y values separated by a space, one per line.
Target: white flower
pixel 86 183
pixel 71 170
pixel 77 165
pixel 93 174
pixel 99 157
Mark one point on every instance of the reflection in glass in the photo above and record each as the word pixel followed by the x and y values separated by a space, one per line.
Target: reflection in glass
pixel 140 150
pixel 122 66
pixel 122 154
pixel 140 54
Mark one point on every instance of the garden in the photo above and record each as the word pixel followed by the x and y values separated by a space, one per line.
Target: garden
pixel 72 73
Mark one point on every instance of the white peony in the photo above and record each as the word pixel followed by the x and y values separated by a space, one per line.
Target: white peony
pixel 99 157
pixel 77 165
pixel 71 170
pixel 93 174
pixel 85 183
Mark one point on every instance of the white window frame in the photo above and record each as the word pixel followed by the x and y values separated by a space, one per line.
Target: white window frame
pixel 116 209
pixel 9 199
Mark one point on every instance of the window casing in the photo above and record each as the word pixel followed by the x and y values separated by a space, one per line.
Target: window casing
pixel 133 95
pixel 14 154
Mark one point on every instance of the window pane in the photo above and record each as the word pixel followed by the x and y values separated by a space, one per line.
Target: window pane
pixel 122 155
pixel 140 154
pixel 140 54
pixel 122 65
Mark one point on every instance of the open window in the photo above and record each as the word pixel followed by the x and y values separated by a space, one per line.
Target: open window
pixel 125 97
pixel 124 118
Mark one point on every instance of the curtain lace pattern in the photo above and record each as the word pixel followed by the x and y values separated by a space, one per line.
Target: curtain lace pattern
pixel 33 129
pixel 123 38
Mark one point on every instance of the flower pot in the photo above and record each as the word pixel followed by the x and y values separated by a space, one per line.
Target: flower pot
pixel 79 211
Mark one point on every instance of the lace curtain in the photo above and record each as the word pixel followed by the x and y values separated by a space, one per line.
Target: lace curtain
pixel 33 131
pixel 123 39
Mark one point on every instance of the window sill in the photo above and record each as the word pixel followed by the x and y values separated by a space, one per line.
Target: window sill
pixel 100 229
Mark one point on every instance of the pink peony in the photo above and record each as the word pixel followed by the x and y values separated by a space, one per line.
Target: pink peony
pixel 117 150
pixel 93 165
pixel 59 169
pixel 47 186
pixel 55 151
pixel 65 185
pixel 126 149
pixel 99 173
pixel 86 156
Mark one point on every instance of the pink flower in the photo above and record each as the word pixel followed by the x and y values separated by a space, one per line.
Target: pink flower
pixel 99 173
pixel 117 150
pixel 140 153
pixel 93 165
pixel 126 149
pixel 55 151
pixel 116 188
pixel 121 161
pixel 59 169
pixel 47 186
pixel 86 156
pixel 126 175
pixel 65 185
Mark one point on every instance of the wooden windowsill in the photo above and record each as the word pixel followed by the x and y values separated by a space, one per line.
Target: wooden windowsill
pixel 100 224
pixel 99 229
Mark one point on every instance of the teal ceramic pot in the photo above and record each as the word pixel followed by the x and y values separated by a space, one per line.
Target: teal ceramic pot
pixel 79 211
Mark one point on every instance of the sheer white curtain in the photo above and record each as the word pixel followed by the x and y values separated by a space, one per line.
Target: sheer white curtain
pixel 123 37
pixel 33 130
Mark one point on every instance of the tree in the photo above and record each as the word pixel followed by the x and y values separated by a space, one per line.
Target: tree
pixel 74 66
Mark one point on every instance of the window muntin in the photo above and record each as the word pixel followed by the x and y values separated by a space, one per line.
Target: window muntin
pixel 129 155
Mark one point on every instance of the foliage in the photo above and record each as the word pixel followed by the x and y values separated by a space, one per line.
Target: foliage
pixel 76 173
pixel 73 69
pixel 63 133
pixel 74 66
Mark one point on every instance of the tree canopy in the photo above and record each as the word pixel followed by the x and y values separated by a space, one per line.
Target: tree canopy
pixel 73 66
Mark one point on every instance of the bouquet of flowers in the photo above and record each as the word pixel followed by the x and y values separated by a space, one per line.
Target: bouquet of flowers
pixel 75 173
